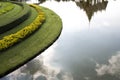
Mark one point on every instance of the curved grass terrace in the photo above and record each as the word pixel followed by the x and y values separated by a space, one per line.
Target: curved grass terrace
pixel 29 20
pixel 8 22
pixel 19 54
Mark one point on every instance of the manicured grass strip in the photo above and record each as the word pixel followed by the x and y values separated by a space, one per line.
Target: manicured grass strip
pixel 28 21
pixel 11 22
pixel 9 7
pixel 4 4
pixel 11 39
pixel 19 54
pixel 17 9
pixel 0 4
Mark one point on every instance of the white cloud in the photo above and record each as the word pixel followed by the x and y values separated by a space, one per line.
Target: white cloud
pixel 112 68
pixel 87 78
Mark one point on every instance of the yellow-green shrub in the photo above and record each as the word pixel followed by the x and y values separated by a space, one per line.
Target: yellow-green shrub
pixel 11 39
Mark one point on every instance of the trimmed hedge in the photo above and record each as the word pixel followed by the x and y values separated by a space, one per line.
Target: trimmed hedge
pixel 17 19
pixel 4 10
pixel 0 4
pixel 11 39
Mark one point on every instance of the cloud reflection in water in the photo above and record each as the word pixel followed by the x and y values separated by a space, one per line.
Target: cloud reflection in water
pixel 112 68
pixel 37 70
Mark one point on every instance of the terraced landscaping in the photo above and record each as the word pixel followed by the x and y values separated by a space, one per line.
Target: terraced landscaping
pixel 25 35
pixel 9 22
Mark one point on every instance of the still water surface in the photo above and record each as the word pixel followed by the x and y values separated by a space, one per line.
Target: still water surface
pixel 88 48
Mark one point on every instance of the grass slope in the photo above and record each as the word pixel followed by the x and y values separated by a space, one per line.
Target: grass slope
pixel 19 54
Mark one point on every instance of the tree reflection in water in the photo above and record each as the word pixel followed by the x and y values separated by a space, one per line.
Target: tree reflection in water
pixel 89 6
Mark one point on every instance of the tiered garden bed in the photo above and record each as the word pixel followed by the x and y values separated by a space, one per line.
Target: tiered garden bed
pixel 25 35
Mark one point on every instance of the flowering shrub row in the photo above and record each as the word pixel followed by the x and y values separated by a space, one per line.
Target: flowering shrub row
pixel 11 22
pixel 8 7
pixel 11 39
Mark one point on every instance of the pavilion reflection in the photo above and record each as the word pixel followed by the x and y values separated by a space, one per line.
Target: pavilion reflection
pixel 92 6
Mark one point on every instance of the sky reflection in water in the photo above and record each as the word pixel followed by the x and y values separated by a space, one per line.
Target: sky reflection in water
pixel 88 49
pixel 84 45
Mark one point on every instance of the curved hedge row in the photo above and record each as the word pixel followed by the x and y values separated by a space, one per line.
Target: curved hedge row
pixel 17 19
pixel 11 39
pixel 9 7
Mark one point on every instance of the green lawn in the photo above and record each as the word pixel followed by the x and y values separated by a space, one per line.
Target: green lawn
pixel 28 49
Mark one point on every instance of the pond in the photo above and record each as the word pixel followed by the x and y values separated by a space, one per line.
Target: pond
pixel 88 48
